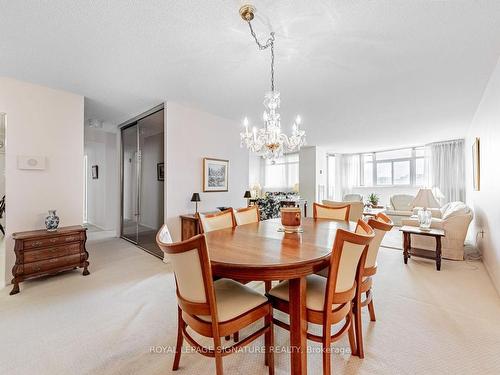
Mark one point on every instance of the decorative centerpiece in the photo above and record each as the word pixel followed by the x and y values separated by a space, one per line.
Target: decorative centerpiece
pixel 373 199
pixel 290 219
pixel 52 221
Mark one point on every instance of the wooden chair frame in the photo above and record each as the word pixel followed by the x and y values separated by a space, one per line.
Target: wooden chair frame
pixel 188 312
pixel 208 216
pixel 244 209
pixel 316 205
pixel 345 299
pixel 367 283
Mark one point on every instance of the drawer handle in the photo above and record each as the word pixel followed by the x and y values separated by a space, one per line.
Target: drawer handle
pixel 37 268
pixel 36 243
pixel 54 240
pixel 69 239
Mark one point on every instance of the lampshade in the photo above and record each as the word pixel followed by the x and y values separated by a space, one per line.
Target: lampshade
pixel 195 197
pixel 247 194
pixel 425 199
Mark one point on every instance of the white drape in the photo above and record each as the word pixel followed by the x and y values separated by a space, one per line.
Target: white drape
pixel 447 169
pixel 347 174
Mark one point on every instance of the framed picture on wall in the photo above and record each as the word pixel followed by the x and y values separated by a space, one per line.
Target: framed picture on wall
pixel 476 164
pixel 160 172
pixel 95 172
pixel 215 174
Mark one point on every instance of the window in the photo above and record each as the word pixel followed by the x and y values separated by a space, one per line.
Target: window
pixel 282 173
pixel 384 174
pixel 404 167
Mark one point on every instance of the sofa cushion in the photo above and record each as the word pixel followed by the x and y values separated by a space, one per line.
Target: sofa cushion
pixel 402 202
pixel 398 213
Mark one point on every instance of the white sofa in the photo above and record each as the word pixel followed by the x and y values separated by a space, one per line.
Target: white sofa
pixel 353 198
pixel 401 207
pixel 454 218
pixel 355 212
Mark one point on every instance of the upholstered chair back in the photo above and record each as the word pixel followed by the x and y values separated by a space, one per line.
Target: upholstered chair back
pixel 333 213
pixel 247 215
pixel 381 225
pixel 355 210
pixel 352 246
pixel 219 220
pixel 191 266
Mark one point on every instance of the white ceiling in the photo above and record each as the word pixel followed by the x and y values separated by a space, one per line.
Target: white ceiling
pixel 362 74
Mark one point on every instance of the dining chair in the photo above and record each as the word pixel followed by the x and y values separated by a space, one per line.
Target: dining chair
pixel 216 221
pixel 213 308
pixel 330 300
pixel 247 215
pixel 380 225
pixel 321 211
pixel 355 208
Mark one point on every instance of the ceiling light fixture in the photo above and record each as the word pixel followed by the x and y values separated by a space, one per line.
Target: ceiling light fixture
pixel 269 141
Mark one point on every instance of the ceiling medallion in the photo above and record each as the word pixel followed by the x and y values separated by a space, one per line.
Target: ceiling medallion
pixel 269 141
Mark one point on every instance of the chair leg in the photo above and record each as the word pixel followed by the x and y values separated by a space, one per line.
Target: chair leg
pixel 359 328
pixel 218 356
pixel 352 339
pixel 236 336
pixel 371 308
pixel 180 339
pixel 269 342
pixel 327 352
pixel 268 285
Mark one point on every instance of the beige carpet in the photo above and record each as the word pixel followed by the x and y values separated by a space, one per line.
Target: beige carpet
pixel 429 322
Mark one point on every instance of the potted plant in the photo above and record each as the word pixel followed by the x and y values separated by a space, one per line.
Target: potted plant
pixel 373 199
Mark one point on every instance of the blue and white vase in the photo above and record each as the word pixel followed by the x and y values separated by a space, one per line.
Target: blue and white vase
pixel 52 221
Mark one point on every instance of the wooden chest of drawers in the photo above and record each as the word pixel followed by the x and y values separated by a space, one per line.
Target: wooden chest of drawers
pixel 40 253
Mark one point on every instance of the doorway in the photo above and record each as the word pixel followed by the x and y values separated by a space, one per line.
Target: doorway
pixel 143 180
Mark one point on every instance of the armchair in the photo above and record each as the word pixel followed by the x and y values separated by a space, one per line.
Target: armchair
pixel 454 218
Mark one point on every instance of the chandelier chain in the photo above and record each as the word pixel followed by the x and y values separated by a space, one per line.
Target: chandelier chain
pixel 269 43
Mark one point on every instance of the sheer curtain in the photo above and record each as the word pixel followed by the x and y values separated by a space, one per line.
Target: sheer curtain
pixel 347 174
pixel 447 169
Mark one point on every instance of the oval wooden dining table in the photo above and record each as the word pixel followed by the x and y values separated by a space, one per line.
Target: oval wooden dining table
pixel 260 252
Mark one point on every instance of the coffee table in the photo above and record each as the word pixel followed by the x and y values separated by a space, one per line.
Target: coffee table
pixel 408 251
pixel 372 211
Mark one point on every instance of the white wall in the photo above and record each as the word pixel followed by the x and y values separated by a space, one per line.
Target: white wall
pixel 192 135
pixel 47 122
pixel 312 174
pixel 102 193
pixel 486 202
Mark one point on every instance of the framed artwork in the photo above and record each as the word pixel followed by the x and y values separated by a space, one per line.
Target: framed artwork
pixel 215 174
pixel 476 164
pixel 160 172
pixel 95 172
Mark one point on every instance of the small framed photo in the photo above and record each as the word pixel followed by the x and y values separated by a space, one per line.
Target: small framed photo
pixel 95 172
pixel 160 172
pixel 215 174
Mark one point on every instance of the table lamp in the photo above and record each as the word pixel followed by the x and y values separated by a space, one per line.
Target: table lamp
pixel 424 200
pixel 196 198
pixel 247 195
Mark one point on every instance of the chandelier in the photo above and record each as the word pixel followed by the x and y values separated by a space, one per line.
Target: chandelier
pixel 269 141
